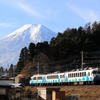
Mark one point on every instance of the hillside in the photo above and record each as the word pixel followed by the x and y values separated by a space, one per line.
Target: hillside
pixel 63 53
pixel 28 70
pixel 84 92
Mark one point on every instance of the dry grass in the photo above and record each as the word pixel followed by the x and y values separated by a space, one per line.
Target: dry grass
pixel 21 75
pixel 84 92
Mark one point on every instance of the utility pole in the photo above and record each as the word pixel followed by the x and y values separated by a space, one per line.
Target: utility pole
pixel 14 71
pixel 82 59
pixel 0 73
pixel 38 67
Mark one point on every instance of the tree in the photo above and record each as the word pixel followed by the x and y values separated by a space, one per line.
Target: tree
pixel 87 28
pixel 94 26
pixel 23 59
pixel 43 47
pixel 11 70
pixel 32 50
pixel 1 71
pixel 42 62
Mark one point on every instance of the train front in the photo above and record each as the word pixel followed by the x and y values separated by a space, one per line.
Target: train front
pixel 96 75
pixel 31 80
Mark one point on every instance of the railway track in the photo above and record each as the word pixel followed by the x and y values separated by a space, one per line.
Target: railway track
pixel 69 86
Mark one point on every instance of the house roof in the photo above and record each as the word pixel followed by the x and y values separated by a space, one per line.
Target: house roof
pixel 7 81
pixel 16 85
pixel 5 84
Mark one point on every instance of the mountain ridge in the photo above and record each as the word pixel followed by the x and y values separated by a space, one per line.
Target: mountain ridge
pixel 15 41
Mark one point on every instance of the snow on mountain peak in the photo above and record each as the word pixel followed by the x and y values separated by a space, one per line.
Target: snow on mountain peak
pixel 14 42
pixel 20 30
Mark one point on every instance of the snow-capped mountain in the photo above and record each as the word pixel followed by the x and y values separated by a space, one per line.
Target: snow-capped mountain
pixel 11 45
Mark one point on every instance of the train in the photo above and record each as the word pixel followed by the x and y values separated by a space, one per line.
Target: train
pixel 83 76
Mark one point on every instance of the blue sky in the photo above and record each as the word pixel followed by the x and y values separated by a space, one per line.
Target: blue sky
pixel 57 15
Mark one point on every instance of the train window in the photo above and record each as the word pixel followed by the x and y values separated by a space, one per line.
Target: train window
pixel 52 77
pixel 62 76
pixel 78 75
pixel 39 78
pixel 99 72
pixel 56 76
pixel 84 73
pixel 74 75
pixel 34 78
pixel 70 75
pixel 94 72
pixel 88 73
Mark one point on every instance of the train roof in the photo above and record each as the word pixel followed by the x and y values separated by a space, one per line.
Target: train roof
pixel 36 75
pixel 54 73
pixel 83 69
pixel 74 70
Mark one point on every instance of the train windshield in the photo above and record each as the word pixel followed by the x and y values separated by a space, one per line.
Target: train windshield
pixel 34 78
pixel 96 72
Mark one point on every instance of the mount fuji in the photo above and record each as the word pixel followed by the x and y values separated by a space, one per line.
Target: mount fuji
pixel 11 45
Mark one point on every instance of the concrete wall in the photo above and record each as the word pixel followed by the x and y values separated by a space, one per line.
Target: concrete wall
pixel 58 95
pixel 51 93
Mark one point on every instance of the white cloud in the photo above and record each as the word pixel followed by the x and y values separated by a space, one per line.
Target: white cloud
pixel 28 9
pixel 41 12
pixel 93 16
pixel 87 14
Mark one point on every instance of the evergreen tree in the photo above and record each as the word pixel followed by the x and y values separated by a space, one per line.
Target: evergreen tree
pixel 11 71
pixel 32 50
pixel 23 60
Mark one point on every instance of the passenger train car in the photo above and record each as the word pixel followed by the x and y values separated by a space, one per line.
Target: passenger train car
pixel 78 76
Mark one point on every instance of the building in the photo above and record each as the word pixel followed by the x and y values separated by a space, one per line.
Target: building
pixel 9 91
pixel 5 90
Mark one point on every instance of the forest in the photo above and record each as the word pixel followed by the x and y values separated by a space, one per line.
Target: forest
pixel 61 52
